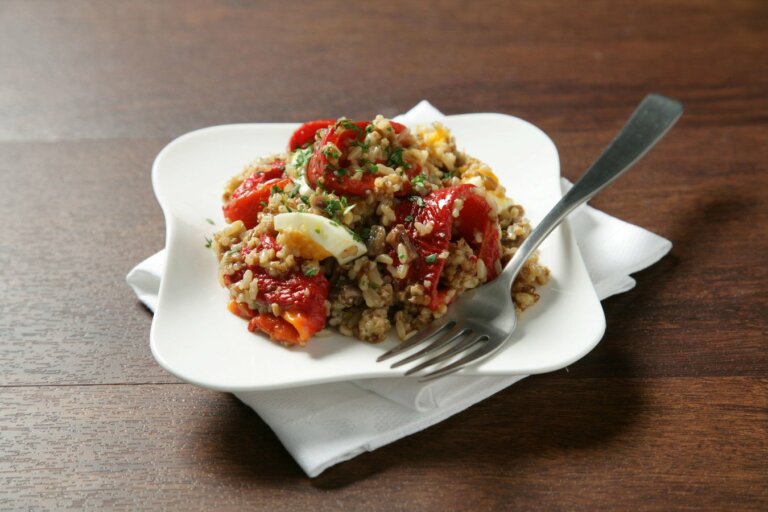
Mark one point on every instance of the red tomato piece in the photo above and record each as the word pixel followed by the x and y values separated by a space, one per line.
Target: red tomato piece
pixel 475 217
pixel 301 299
pixel 339 178
pixel 295 292
pixel 249 198
pixel 397 126
pixel 437 208
pixel 276 328
pixel 305 134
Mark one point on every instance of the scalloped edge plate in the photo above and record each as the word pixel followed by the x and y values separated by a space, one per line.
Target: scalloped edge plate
pixel 196 338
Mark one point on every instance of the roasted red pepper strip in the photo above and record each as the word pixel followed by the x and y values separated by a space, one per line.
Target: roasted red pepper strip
pixel 276 328
pixel 248 199
pixel 475 217
pixel 339 178
pixel 305 134
pixel 301 299
pixel 437 208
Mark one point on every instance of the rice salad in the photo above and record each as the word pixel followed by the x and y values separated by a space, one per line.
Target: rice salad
pixel 365 226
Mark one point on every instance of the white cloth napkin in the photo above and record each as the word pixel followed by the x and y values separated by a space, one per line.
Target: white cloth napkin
pixel 323 425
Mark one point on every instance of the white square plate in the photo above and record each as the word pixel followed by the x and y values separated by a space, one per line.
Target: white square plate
pixel 196 338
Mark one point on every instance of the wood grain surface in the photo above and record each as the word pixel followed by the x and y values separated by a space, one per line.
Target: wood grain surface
pixel 669 412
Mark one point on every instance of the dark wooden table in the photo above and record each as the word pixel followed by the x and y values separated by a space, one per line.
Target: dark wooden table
pixel 669 412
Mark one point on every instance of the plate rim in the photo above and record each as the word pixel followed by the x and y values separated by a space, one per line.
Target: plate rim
pixel 171 229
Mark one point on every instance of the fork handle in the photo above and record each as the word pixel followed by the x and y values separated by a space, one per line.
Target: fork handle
pixel 651 120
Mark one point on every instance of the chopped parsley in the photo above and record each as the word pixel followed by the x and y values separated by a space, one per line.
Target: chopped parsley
pixel 355 236
pixel 419 180
pixel 395 159
pixel 409 218
pixel 362 145
pixel 369 128
pixel 332 207
pixel 263 203
pixel 208 242
pixel 349 125
pixel 311 271
pixel 317 230
pixel 275 189
pixel 210 221
pixel 331 152
pixel 301 156
pixel 304 199
pixel 431 258
pixel 372 168
pixel 418 200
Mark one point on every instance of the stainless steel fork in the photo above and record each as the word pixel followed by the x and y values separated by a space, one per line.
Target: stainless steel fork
pixel 481 321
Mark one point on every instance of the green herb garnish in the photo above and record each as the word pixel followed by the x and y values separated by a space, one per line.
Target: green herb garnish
pixel 311 272
pixel 210 221
pixel 363 145
pixel 331 153
pixel 332 207
pixel 347 207
pixel 208 242
pixel 431 258
pixel 418 200
pixel 419 180
pixel 395 159
pixel 301 157
pixel 409 218
pixel 349 125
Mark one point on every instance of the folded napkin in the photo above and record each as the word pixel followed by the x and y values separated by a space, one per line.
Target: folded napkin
pixel 325 424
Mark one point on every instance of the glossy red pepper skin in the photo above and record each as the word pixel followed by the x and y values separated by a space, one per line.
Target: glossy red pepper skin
pixel 437 208
pixel 338 178
pixel 305 134
pixel 295 293
pixel 249 198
